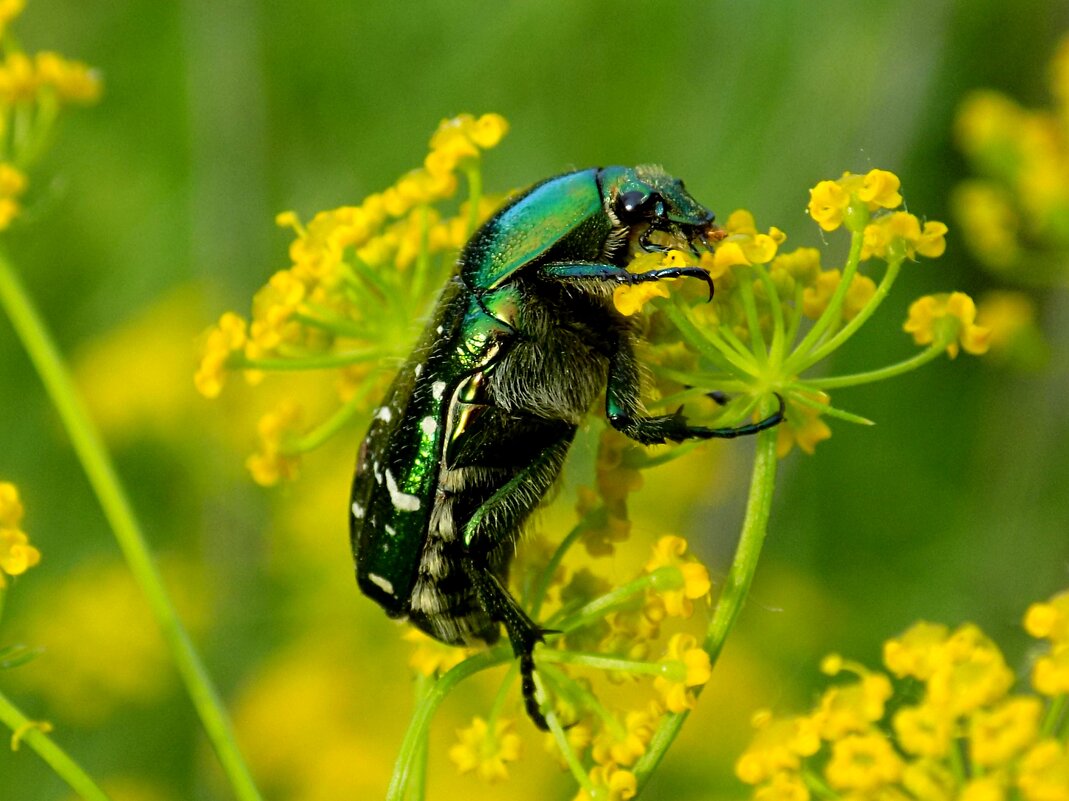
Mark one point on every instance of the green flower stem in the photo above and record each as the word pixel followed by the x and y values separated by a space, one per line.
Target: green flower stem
pixel 317 317
pixel 833 312
pixel 603 662
pixel 574 765
pixel 709 343
pixel 65 767
pixel 3 597
pixel 859 320
pixel 238 361
pixel 815 783
pixel 545 578
pixel 498 705
pixel 797 313
pixel 699 379
pixel 1055 711
pixel 332 425
pixel 934 350
pixel 801 399
pixel 736 587
pixel 423 259
pixel 101 474
pixel 404 768
pixel 779 338
pixel 599 607
pixel 417 782
pixel 583 696
pixel 750 306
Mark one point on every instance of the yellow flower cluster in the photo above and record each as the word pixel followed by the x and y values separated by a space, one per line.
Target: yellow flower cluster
pixel 964 737
pixel 24 79
pixel 1025 153
pixel 16 554
pixel 852 199
pixel 610 742
pixel 1050 621
pixel 949 318
pixel 32 86
pixel 1014 216
pixel 754 338
pixel 361 276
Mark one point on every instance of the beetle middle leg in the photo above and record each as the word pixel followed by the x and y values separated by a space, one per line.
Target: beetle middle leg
pixel 623 408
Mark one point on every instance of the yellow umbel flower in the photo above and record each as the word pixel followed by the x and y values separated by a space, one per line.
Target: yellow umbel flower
pixel 952 317
pixel 694 584
pixel 830 200
pixel 686 667
pixel 486 752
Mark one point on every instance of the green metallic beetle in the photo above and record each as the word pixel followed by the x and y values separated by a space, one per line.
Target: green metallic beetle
pixel 476 425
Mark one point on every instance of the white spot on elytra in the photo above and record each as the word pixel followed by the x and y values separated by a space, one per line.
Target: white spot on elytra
pixel 438 389
pixel 402 501
pixel 429 425
pixel 419 370
pixel 381 583
pixel 390 530
pixel 358 511
pixel 384 414
pixel 438 330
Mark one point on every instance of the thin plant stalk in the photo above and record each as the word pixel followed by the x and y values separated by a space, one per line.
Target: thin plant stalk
pixel 733 595
pixel 28 732
pixel 98 467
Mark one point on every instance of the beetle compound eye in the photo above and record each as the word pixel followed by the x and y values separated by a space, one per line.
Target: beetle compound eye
pixel 635 206
pixel 631 204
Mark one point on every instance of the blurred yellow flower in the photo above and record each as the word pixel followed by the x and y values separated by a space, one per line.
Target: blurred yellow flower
pixel 686 667
pixel 1044 772
pixel 272 463
pixel 16 554
pixel 1049 619
pixel 999 734
pixel 950 317
pixel 862 763
pixel 612 783
pixel 102 647
pixel 486 752
pixel 958 737
pixel 695 584
pixel 228 337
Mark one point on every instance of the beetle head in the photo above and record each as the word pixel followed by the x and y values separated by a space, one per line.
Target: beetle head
pixel 649 199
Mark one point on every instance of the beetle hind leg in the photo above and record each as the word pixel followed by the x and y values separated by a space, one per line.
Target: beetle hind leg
pixel 524 633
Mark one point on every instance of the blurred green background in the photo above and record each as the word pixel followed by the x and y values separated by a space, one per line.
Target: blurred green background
pixel 154 214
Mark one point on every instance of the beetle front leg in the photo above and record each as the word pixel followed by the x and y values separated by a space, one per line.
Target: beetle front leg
pixel 622 407
pixel 613 274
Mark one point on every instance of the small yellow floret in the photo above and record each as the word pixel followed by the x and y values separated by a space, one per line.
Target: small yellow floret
pixel 998 735
pixel 688 667
pixel 485 752
pixel 863 762
pixel 669 552
pixel 226 338
pixel 951 317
